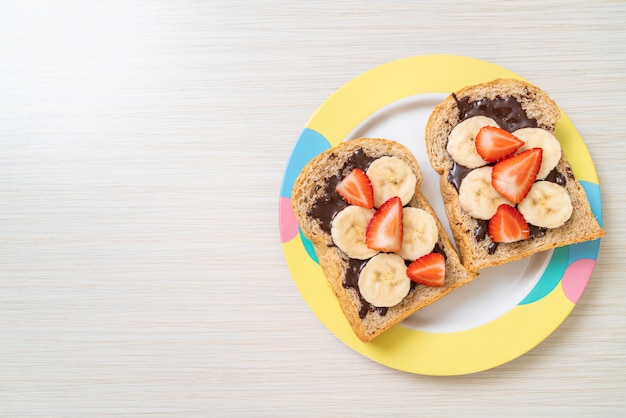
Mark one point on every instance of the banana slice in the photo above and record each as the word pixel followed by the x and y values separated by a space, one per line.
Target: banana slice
pixel 420 233
pixel 348 231
pixel 390 176
pixel 462 141
pixel 383 281
pixel 547 205
pixel 478 197
pixel 540 138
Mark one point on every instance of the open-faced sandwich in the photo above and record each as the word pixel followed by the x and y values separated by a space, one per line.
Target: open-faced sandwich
pixel 509 191
pixel 377 239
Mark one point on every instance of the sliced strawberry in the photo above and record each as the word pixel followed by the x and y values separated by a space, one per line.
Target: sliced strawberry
pixel 495 144
pixel 508 225
pixel 384 232
pixel 513 177
pixel 356 189
pixel 429 270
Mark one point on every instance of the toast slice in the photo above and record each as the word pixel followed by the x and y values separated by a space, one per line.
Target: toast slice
pixel 316 203
pixel 513 104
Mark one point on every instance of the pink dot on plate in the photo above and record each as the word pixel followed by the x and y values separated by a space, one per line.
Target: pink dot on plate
pixel 287 222
pixel 576 277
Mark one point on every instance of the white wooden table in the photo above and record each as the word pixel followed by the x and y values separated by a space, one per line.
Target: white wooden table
pixel 142 149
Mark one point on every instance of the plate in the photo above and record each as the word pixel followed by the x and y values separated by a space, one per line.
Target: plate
pixel 504 313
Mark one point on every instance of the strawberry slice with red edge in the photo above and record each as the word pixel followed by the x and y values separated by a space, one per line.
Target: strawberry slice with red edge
pixel 356 189
pixel 429 270
pixel 513 177
pixel 384 232
pixel 508 225
pixel 495 144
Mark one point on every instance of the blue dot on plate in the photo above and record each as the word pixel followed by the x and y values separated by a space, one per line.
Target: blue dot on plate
pixel 550 277
pixel 308 247
pixel 310 144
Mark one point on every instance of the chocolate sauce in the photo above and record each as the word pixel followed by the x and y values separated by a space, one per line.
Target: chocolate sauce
pixel 555 177
pixel 457 174
pixel 351 278
pixel 438 249
pixel 330 203
pixel 506 111
pixel 480 233
pixel 537 231
pixel 351 281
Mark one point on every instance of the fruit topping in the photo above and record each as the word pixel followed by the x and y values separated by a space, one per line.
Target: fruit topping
pixel 514 176
pixel 420 233
pixel 462 141
pixel 540 138
pixel 384 232
pixel 477 196
pixel 356 189
pixel 495 144
pixel 391 176
pixel 429 270
pixel 508 225
pixel 547 205
pixel 383 282
pixel 348 231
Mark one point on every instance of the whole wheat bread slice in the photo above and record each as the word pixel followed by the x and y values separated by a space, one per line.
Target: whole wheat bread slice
pixel 310 186
pixel 537 105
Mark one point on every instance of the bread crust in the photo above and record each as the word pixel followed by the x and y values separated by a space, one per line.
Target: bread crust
pixel 334 262
pixel 582 225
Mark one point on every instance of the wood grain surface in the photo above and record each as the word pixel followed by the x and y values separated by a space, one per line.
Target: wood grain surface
pixel 142 150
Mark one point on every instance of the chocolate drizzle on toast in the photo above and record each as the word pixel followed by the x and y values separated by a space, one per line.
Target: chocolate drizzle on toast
pixel 324 209
pixel 330 203
pixel 351 281
pixel 509 115
pixel 506 111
